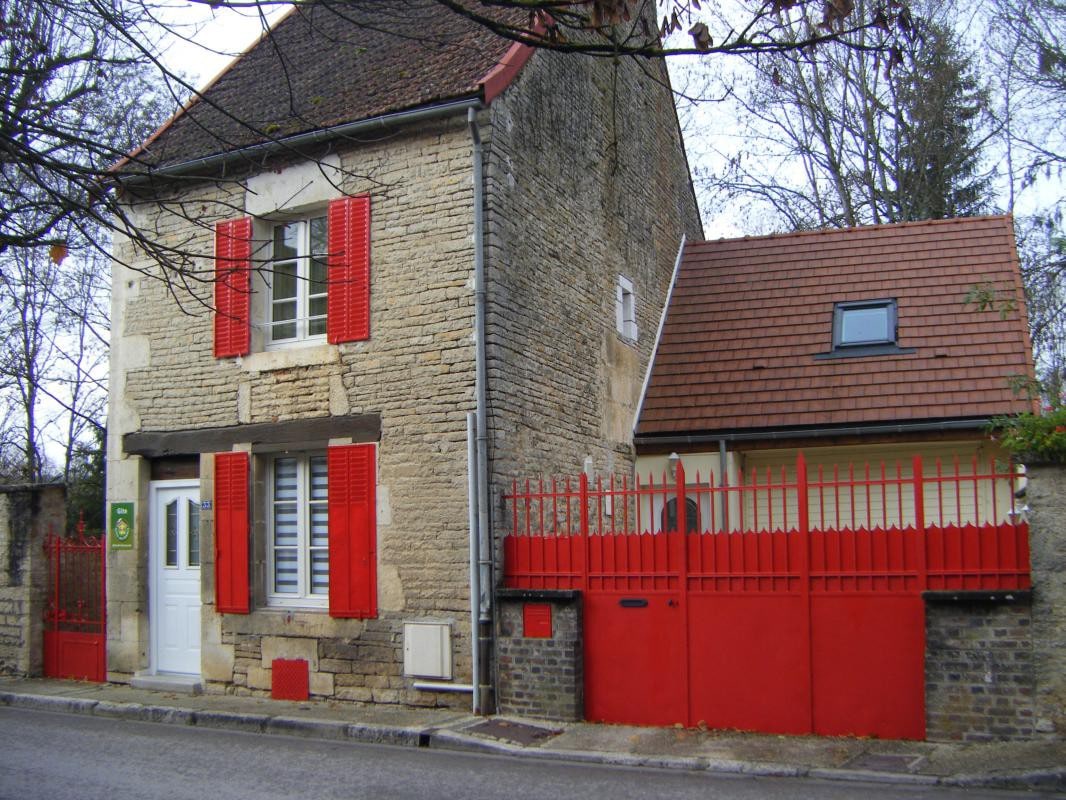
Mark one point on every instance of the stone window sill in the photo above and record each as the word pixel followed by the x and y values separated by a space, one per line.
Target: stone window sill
pixel 270 360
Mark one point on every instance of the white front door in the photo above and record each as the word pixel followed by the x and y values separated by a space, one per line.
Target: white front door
pixel 175 555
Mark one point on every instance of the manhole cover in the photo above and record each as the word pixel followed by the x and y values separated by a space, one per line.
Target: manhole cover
pixel 512 731
pixel 885 762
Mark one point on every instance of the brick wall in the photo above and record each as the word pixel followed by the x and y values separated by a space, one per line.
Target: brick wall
pixel 27 515
pixel 540 677
pixel 978 667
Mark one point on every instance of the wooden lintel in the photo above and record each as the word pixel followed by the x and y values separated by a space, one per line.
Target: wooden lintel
pixel 154 444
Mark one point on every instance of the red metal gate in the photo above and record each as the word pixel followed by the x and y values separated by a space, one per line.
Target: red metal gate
pixel 790 604
pixel 75 629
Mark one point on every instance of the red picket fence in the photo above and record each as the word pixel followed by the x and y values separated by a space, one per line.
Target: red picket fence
pixel 75 627
pixel 791 602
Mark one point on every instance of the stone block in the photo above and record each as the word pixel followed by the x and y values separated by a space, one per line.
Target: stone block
pixel 290 647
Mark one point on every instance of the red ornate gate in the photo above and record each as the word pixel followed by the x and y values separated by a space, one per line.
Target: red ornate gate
pixel 75 629
pixel 790 604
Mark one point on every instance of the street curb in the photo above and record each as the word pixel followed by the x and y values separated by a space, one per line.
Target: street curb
pixel 457 740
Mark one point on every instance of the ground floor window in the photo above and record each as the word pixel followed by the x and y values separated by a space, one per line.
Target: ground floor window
pixel 298 530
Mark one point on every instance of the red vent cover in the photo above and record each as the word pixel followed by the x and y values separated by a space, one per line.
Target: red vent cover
pixel 537 620
pixel 289 679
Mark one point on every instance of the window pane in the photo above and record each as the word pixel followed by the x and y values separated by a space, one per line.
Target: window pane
pixel 319 514
pixel 286 525
pixel 285 472
pixel 319 478
pixel 318 276
pixel 194 534
pixel 864 325
pixel 284 280
pixel 286 571
pixel 286 240
pixel 319 572
pixel 318 236
pixel 172 533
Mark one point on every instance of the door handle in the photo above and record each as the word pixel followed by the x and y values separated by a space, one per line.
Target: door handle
pixel 633 602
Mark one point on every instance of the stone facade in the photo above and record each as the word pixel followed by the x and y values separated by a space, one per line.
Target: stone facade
pixel 581 186
pixel 27 515
pixel 614 198
pixel 540 676
pixel 978 667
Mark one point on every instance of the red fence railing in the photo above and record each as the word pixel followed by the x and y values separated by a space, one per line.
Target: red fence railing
pixel 880 529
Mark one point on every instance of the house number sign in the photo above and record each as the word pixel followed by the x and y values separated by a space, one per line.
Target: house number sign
pixel 120 525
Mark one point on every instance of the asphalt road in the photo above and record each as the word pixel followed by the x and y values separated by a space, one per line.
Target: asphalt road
pixel 52 756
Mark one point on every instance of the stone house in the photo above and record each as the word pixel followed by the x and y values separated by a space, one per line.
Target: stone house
pixel 416 267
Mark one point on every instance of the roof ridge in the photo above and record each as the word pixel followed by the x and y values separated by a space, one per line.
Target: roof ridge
pixel 856 228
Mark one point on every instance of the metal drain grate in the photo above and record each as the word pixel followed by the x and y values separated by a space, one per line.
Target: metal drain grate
pixel 514 732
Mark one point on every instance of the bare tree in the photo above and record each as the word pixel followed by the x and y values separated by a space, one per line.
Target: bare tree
pixel 842 140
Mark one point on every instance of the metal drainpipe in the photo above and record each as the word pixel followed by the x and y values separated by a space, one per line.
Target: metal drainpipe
pixel 475 583
pixel 485 633
pixel 723 465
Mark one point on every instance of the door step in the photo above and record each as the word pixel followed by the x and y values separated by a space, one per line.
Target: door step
pixel 162 682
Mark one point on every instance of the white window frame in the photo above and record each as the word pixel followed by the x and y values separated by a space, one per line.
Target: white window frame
pixel 625 309
pixel 303 597
pixel 302 321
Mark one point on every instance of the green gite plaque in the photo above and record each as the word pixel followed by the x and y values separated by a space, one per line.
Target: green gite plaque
pixel 120 523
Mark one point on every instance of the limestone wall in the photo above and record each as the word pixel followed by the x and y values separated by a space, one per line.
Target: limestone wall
pixel 586 181
pixel 27 515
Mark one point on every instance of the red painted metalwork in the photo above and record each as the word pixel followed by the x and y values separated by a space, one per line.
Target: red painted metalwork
pixel 784 603
pixel 75 620
pixel 289 679
pixel 536 621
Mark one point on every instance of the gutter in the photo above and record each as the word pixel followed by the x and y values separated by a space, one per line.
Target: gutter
pixel 380 123
pixel 672 440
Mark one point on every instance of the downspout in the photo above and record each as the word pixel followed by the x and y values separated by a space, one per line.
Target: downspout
pixel 475 583
pixel 484 691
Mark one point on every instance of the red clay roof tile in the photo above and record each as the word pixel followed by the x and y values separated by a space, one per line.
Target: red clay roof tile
pixel 769 301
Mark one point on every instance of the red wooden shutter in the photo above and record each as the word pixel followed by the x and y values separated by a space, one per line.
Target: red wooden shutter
pixel 353 590
pixel 348 301
pixel 233 286
pixel 231 533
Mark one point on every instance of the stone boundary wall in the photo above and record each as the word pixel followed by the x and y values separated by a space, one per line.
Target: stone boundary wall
pixel 27 515
pixel 540 677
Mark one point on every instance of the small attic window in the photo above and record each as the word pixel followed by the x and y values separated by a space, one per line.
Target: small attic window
pixel 625 309
pixel 864 323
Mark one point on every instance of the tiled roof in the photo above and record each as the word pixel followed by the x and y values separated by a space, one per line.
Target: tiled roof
pixel 749 316
pixel 325 65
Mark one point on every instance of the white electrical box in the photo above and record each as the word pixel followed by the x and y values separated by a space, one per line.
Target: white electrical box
pixel 427 649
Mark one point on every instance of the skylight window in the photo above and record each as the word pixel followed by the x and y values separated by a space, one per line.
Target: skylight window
pixel 864 323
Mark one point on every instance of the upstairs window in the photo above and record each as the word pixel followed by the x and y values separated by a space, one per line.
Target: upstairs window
pixel 864 323
pixel 296 281
pixel 625 309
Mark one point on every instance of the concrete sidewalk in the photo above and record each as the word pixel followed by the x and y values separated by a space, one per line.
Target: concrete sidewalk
pixel 1030 765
